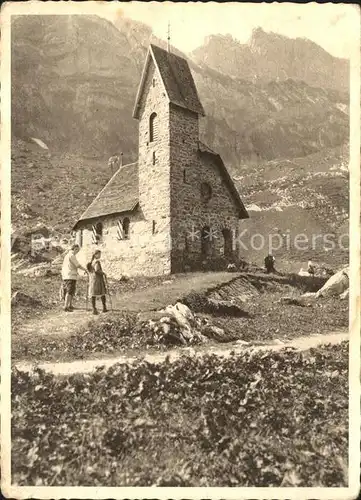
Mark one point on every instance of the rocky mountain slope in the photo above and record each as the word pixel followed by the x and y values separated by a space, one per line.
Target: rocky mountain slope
pixel 71 81
pixel 75 78
pixel 303 196
pixel 52 188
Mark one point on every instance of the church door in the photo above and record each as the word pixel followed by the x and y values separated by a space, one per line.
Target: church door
pixel 205 241
pixel 228 243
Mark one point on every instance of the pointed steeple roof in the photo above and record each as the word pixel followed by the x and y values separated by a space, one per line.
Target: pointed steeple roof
pixel 176 77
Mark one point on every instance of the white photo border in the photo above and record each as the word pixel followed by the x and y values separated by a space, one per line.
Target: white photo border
pixel 21 492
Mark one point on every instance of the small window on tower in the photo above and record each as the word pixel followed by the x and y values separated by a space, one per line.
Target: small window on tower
pixel 154 227
pixel 154 157
pixel 206 192
pixel 153 127
pixel 153 82
pixel 184 176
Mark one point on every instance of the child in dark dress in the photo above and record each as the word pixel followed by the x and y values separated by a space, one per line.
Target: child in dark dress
pixel 97 287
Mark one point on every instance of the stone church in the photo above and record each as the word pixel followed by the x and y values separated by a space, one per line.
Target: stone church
pixel 176 208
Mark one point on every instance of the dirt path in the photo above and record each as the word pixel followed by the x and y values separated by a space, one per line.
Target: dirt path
pixel 145 298
pixel 55 323
pixel 86 366
pixel 58 323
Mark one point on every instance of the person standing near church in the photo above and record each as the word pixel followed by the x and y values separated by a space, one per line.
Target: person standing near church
pixel 269 263
pixel 69 274
pixel 310 268
pixel 97 282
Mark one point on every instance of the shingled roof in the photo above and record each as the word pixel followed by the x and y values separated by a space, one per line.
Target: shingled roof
pixel 119 195
pixel 176 77
pixel 203 149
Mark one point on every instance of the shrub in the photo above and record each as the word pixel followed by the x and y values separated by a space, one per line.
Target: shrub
pixel 255 419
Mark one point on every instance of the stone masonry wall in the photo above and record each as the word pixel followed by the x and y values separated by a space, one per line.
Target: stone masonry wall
pixel 188 213
pixel 153 164
pixel 142 254
pixel 147 252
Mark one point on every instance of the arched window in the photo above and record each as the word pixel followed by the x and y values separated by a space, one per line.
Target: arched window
pixel 120 232
pixel 153 127
pixel 99 228
pixel 126 227
pixel 97 232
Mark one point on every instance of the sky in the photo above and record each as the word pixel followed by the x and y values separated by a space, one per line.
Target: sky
pixel 332 26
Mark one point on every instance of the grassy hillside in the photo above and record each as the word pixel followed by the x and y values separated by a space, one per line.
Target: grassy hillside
pixel 52 188
pixel 308 196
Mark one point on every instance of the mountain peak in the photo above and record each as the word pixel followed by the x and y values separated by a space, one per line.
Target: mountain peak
pixel 262 39
pixel 226 39
pixel 100 69
pixel 258 33
pixel 270 56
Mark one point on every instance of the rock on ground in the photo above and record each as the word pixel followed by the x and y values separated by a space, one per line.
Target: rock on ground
pixel 177 324
pixel 345 294
pixel 182 314
pixel 309 295
pixel 23 299
pixel 216 333
pixel 226 308
pixel 336 285
pixel 302 272
pixel 291 301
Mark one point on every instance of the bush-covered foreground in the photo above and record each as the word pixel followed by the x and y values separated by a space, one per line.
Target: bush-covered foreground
pixel 256 419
